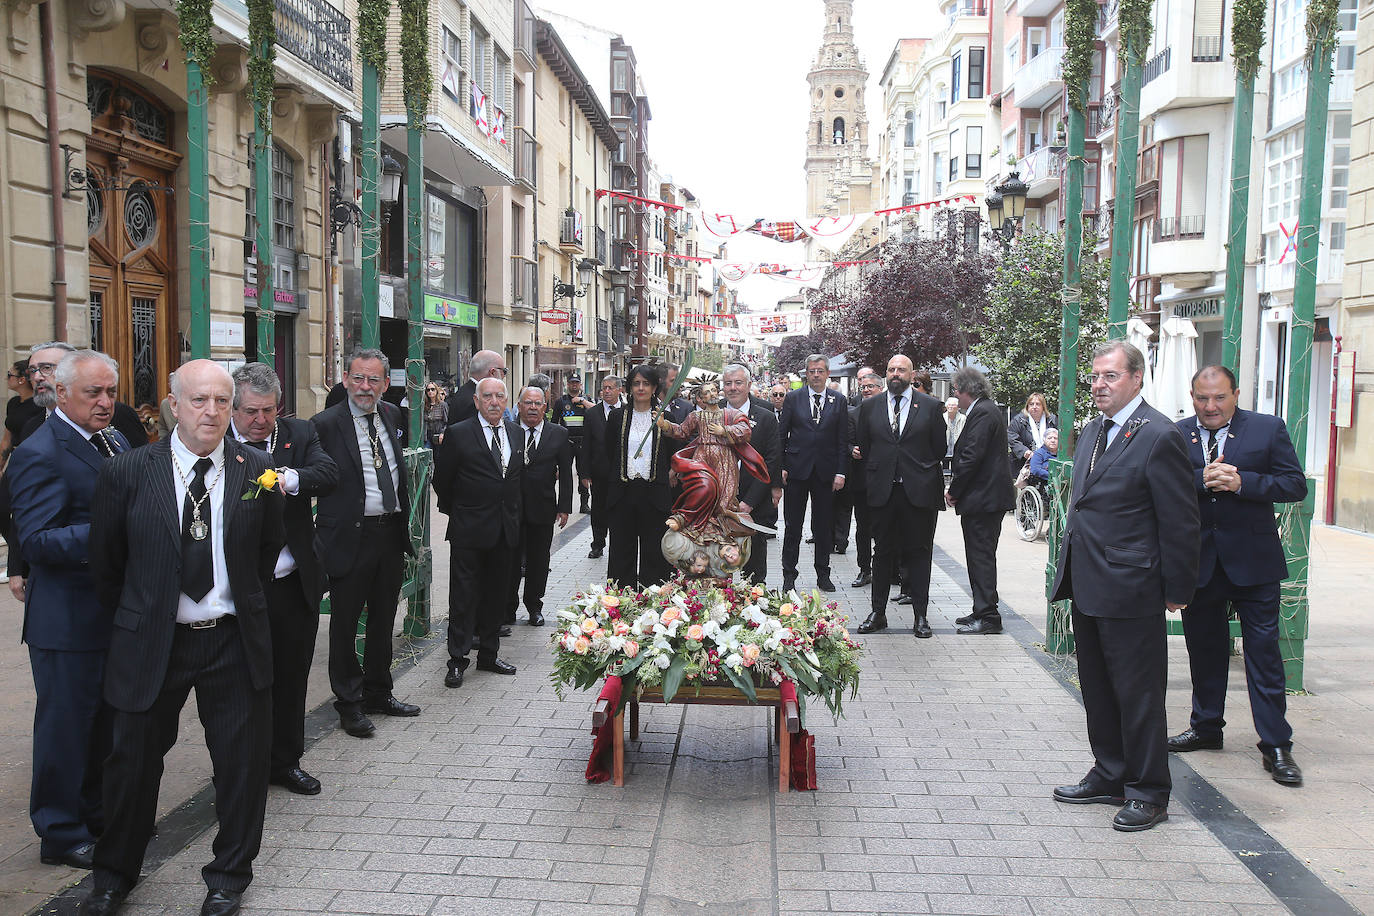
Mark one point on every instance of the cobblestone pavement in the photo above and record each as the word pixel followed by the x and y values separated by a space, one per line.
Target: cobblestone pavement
pixel 934 798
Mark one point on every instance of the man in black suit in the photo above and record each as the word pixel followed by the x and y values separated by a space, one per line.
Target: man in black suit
pixel 547 448
pixel 361 539
pixel 570 411
pixel 980 493
pixel 776 395
pixel 902 439
pixel 1243 463
pixel 1130 550
pixel 814 432
pixel 477 479
pixel 53 475
pixel 869 385
pixel 183 542
pixel 757 498
pixel 593 467
pixel 679 407
pixel 293 596
pixel 484 364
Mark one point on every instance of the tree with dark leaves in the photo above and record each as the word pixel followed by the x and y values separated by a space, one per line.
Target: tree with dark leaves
pixel 791 354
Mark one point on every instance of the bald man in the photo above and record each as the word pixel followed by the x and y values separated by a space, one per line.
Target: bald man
pixel 485 364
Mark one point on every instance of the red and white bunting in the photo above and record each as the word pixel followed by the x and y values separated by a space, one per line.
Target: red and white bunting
pixel 642 201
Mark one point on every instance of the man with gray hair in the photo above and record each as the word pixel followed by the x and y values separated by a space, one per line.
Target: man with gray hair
pixel 484 364
pixel 981 494
pixel 757 498
pixel 814 432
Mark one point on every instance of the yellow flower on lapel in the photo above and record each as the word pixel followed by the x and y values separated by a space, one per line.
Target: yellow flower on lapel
pixel 267 480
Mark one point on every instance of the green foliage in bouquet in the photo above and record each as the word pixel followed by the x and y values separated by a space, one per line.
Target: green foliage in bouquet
pixel 692 634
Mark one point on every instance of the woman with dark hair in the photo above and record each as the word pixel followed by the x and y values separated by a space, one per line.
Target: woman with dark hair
pixel 637 495
pixel 436 414
pixel 1027 429
pixel 20 407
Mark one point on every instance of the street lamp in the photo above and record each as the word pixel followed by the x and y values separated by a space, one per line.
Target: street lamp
pixel 1006 208
pixel 586 272
pixel 389 188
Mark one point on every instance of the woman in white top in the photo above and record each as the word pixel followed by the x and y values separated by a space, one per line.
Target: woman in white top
pixel 638 500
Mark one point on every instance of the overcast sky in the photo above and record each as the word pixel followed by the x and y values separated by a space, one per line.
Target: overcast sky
pixel 726 82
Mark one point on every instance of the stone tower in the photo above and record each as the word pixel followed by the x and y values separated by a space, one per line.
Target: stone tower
pixel 839 175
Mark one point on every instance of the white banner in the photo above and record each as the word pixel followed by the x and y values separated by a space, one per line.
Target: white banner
pixel 781 324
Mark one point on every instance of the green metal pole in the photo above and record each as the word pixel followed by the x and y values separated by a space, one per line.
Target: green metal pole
pixel 262 174
pixel 369 222
pixel 1241 138
pixel 198 229
pixel 420 458
pixel 1123 220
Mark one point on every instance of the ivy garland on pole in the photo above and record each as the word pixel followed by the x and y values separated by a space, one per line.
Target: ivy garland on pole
pixel 262 57
pixel 194 19
pixel 1080 19
pixel 1137 28
pixel 1322 18
pixel 1247 36
pixel 415 72
pixel 372 34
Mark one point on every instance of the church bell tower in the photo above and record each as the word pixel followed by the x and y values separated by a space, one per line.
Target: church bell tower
pixel 839 175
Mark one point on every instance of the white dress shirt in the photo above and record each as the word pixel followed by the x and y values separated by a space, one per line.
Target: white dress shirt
pixel 291 484
pixel 1120 417
pixel 906 407
pixel 525 437
pixel 219 600
pixel 372 503
pixel 641 421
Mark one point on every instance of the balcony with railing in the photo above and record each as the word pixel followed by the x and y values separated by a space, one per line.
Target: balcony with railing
pixel 1107 21
pixel 571 232
pixel 1040 170
pixel 524 282
pixel 524 33
pixel 524 152
pixel 1156 67
pixel 599 252
pixel 1173 228
pixel 320 35
pixel 1040 78
pixel 1278 277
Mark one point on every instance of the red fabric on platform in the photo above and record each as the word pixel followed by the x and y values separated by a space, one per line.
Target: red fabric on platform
pixel 603 748
pixel 803 745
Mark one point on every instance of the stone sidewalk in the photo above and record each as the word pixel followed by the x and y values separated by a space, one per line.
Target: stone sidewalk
pixel 934 798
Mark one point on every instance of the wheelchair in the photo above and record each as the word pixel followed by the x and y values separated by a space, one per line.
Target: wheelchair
pixel 1032 509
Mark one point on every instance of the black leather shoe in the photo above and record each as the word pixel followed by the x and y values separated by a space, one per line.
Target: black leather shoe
pixel 221 903
pixel 594 553
pixel 1138 815
pixel 865 578
pixel 839 549
pixel 79 856
pixel 1084 794
pixel 923 630
pixel 960 621
pixel 1190 740
pixel 536 619
pixel 824 584
pixel 789 582
pixel 296 780
pixel 979 627
pixel 811 540
pixel 356 724
pixel 103 902
pixel 903 598
pixel 496 666
pixel 1280 762
pixel 873 623
pixel 505 631
pixel 454 676
pixel 391 707
pixel 584 510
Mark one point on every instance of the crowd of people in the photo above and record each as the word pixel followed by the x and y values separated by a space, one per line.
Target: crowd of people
pixel 199 561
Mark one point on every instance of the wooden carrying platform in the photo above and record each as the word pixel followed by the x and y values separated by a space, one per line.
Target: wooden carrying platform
pixel 784 712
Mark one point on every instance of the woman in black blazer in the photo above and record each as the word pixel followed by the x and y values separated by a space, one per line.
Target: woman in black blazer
pixel 1026 431
pixel 637 494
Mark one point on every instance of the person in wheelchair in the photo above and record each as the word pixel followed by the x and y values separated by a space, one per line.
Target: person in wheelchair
pixel 1040 459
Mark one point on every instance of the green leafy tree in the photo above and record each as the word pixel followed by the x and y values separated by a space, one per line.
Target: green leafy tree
pixel 1019 340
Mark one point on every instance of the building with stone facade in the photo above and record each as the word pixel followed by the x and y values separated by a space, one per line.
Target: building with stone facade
pixel 839 174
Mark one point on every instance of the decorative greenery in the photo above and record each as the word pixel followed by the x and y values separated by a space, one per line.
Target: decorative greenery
pixel 1136 30
pixel 194 19
pixel 415 72
pixel 1019 341
pixel 372 33
pixel 262 48
pixel 690 633
pixel 1247 36
pixel 1080 33
pixel 1322 17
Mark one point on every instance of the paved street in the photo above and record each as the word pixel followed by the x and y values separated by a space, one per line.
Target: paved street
pixel 934 790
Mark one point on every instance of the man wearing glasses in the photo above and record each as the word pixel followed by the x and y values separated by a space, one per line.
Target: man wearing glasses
pixel 362 539
pixel 775 397
pixel 485 364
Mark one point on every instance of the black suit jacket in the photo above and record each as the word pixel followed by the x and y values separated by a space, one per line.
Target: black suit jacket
pixel 550 464
pixel 462 406
pixel 338 523
pixel 857 481
pixel 1131 539
pixel 810 449
pixel 764 439
pixel 915 459
pixel 477 498
pixel 1239 530
pixel 619 447
pixel 593 463
pixel 135 551
pixel 979 481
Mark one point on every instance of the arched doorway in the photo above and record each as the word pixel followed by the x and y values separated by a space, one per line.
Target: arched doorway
pixel 130 217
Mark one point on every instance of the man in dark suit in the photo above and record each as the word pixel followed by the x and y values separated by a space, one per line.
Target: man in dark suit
pixel 547 448
pixel 1130 550
pixel 362 541
pixel 53 476
pixel 183 542
pixel 814 433
pixel 477 478
pixel 980 493
pixel 902 439
pixel 570 411
pixel 776 395
pixel 484 364
pixel 679 407
pixel 293 596
pixel 869 385
pixel 757 498
pixel 593 467
pixel 1243 463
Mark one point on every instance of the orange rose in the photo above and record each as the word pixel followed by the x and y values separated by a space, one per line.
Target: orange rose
pixel 750 653
pixel 582 645
pixel 695 632
pixel 588 625
pixel 670 615
pixel 598 633
pixel 621 628
pixel 786 610
pixel 610 601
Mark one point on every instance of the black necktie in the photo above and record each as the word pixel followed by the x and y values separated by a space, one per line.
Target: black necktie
pixel 197 561
pixel 496 449
pixel 1100 444
pixel 384 481
pixel 103 445
pixel 897 418
pixel 529 444
pixel 816 409
pixel 258 445
pixel 1212 445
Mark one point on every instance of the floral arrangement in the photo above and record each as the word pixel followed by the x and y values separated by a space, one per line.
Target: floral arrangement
pixel 688 634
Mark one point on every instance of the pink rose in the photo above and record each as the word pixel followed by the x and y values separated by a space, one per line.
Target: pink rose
pixel 621 628
pixel 669 615
pixel 631 648
pixel 695 632
pixel 750 654
pixel 582 645
pixel 588 625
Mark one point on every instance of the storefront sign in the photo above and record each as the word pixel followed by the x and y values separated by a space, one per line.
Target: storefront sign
pixel 451 311
pixel 278 295
pixel 1194 309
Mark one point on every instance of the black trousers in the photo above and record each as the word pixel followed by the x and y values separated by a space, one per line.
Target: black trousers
pixel 575 445
pixel 536 542
pixel 479 581
pixel 71 739
pixel 1123 667
pixel 844 514
pixel 1208 634
pixel 600 516
pixel 374 584
pixel 795 493
pixel 863 532
pixel 982 530
pixel 238 728
pixel 905 535
pixel 636 532
pixel 295 624
pixel 757 567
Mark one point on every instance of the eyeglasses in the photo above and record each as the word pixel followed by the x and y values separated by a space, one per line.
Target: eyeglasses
pixel 43 369
pixel 504 372
pixel 13 374
pixel 1111 378
pixel 779 394
pixel 372 380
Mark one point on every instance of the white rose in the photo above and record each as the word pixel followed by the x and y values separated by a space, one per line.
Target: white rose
pixel 663 661
pixel 733 660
